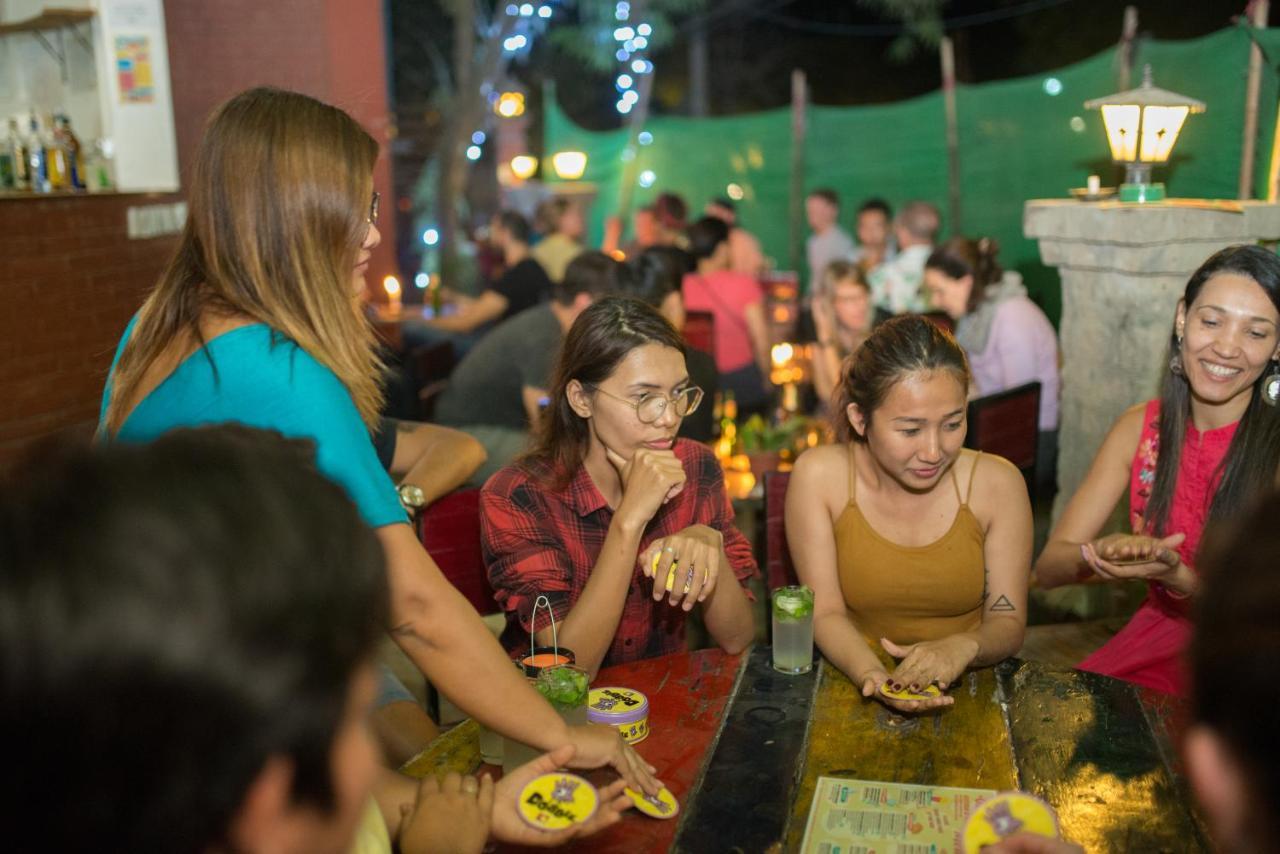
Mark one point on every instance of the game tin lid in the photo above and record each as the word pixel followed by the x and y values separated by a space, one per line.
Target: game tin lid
pixel 557 800
pixel 616 706
pixel 1006 814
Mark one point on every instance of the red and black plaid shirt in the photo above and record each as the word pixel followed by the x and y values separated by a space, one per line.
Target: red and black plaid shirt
pixel 543 542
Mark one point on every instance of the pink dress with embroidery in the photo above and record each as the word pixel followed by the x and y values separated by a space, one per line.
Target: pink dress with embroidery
pixel 1148 650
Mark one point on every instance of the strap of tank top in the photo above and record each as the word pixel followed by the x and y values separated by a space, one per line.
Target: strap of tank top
pixel 973 475
pixel 853 474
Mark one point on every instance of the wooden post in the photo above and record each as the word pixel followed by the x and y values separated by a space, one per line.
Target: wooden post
pixel 953 134
pixel 799 130
pixel 1128 33
pixel 1257 11
pixel 699 99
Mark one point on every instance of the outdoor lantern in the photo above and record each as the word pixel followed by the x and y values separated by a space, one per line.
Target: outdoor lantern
pixel 569 165
pixel 523 166
pixel 1142 126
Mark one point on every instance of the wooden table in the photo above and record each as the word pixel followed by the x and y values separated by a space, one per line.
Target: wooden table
pixel 742 746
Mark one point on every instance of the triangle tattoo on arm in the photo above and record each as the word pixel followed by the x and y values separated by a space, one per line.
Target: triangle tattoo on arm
pixel 1003 604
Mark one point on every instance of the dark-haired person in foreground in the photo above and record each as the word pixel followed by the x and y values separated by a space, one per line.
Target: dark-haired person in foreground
pixel 608 490
pixel 1193 456
pixel 186 639
pixel 1231 745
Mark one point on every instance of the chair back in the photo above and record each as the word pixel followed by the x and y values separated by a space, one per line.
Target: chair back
pixel 450 532
pixel 779 571
pixel 700 331
pixel 1007 423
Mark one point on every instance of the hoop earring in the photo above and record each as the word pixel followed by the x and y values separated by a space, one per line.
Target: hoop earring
pixel 1175 361
pixel 1270 390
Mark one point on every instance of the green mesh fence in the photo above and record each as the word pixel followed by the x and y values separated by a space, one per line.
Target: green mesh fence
pixel 1019 139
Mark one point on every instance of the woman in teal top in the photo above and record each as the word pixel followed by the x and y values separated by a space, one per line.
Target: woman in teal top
pixel 257 320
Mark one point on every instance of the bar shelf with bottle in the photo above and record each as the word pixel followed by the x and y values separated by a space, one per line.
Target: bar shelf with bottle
pixel 85 103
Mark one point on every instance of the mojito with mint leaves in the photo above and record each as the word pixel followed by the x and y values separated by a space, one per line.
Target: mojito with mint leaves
pixel 793 629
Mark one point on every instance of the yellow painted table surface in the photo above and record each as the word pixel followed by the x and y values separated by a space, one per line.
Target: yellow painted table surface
pixel 1024 726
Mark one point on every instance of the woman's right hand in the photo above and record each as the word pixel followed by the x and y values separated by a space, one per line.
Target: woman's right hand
pixel 450 815
pixel 649 480
pixel 597 745
pixel 824 320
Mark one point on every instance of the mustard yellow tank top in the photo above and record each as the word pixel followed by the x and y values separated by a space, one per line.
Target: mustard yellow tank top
pixel 910 594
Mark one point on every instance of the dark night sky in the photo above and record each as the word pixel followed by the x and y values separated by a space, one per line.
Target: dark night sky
pixel 754 47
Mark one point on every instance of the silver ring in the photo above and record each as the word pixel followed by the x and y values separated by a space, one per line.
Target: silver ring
pixel 470 785
pixel 671 549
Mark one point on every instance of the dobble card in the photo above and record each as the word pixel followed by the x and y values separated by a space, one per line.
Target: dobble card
pixel 556 801
pixel 661 805
pixel 929 692
pixel 1006 814
pixel 671 573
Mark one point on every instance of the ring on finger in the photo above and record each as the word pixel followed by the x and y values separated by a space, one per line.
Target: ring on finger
pixel 470 785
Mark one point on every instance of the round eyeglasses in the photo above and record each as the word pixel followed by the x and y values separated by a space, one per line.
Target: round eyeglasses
pixel 651 407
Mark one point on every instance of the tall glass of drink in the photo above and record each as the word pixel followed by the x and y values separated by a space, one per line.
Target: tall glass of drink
pixel 793 629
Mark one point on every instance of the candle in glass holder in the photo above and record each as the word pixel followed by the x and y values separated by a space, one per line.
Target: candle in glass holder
pixel 1095 185
pixel 392 287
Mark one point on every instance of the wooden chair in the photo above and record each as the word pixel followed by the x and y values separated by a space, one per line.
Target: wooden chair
pixel 450 532
pixel 779 571
pixel 1008 424
pixel 700 331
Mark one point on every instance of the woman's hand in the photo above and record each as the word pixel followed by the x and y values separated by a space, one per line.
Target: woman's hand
pixel 509 827
pixel 1030 843
pixel 1119 556
pixel 450 816
pixel 649 480
pixel 696 554
pixel 597 745
pixel 874 680
pixel 939 662
pixel 824 320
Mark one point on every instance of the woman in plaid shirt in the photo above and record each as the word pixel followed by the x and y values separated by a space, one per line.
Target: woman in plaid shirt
pixel 607 491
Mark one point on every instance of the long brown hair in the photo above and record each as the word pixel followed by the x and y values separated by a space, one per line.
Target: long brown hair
pixel 901 345
pixel 598 341
pixel 278 209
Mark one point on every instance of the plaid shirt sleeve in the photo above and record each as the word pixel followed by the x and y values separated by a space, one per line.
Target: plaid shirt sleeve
pixel 716 511
pixel 524 554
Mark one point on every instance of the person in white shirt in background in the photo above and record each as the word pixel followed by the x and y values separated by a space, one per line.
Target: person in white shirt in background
pixel 829 242
pixel 896 286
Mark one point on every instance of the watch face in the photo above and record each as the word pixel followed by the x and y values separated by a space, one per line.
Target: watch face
pixel 411 496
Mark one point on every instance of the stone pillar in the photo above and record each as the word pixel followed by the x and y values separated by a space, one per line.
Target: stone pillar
pixel 1123 269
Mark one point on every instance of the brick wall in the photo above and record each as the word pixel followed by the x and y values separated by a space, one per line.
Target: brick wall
pixel 69 277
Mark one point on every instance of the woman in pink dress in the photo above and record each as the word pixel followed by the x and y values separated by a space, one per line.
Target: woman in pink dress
pixel 1192 457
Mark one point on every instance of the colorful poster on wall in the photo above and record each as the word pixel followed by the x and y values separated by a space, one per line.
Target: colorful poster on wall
pixel 133 70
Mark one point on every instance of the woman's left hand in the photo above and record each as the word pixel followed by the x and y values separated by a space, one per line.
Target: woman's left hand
pixel 1120 556
pixel 696 552
pixel 937 662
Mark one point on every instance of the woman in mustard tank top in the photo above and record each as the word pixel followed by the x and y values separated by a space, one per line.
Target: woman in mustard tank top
pixel 915 547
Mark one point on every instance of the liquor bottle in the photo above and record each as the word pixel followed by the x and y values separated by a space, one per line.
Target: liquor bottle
pixel 18 152
pixel 55 155
pixel 7 181
pixel 75 153
pixel 37 161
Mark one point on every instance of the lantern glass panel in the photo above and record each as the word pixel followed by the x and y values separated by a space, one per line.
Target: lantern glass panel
pixel 1160 126
pixel 1121 122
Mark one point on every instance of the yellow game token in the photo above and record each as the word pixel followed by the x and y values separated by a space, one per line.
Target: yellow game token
pixel 671 573
pixel 557 800
pixel 930 691
pixel 661 805
pixel 1006 814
